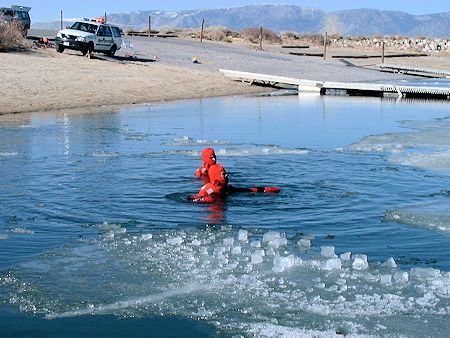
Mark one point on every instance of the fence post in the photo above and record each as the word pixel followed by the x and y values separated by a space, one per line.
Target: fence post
pixel 382 52
pixel 201 31
pixel 105 17
pixel 260 37
pixel 61 20
pixel 325 46
pixel 149 26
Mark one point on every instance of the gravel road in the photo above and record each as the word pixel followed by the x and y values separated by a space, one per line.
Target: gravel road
pixel 216 55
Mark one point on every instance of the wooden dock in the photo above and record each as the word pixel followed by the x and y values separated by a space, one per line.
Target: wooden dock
pixel 157 35
pixel 341 88
pixel 415 70
pixel 361 56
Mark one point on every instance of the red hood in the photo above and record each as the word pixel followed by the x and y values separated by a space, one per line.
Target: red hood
pixel 218 175
pixel 207 153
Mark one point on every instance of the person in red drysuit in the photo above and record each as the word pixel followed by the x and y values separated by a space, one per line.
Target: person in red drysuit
pixel 209 159
pixel 218 186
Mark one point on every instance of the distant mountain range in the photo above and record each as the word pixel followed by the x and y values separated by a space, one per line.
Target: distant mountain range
pixel 282 18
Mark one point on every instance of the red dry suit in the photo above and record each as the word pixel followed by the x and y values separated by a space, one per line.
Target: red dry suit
pixel 209 159
pixel 217 186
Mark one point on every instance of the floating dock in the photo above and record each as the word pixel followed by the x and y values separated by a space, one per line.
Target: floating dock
pixel 415 70
pixel 341 88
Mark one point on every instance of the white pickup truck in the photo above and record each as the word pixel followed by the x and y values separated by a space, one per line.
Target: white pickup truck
pixel 90 36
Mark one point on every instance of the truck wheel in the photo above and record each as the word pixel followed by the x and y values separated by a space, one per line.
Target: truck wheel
pixel 59 48
pixel 112 51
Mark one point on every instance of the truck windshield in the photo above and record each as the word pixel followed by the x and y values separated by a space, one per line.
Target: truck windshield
pixel 84 26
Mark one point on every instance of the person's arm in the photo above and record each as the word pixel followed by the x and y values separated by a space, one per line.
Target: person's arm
pixel 204 195
pixel 233 189
pixel 202 171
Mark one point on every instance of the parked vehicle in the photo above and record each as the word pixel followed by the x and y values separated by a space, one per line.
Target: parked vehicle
pixel 17 13
pixel 90 36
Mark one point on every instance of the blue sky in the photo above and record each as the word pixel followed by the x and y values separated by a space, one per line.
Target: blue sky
pixel 43 10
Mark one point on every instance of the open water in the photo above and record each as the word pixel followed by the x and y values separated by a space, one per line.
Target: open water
pixel 96 238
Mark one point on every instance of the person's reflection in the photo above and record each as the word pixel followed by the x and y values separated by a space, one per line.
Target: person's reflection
pixel 216 212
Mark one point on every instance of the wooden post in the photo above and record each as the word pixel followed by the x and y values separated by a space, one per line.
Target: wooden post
pixel 105 17
pixel 260 37
pixel 382 52
pixel 201 31
pixel 61 20
pixel 325 46
pixel 149 26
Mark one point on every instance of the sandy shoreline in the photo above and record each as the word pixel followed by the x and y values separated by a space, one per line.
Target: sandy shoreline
pixel 43 80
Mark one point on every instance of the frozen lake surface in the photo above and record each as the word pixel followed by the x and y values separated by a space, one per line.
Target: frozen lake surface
pixel 94 228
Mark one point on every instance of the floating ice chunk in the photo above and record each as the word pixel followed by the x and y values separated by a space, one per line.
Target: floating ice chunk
pixel 105 154
pixel 228 241
pixel 390 263
pixel 242 235
pixel 219 251
pixel 428 300
pixel 332 264
pixel 236 250
pixel 175 241
pixel 346 256
pixel 270 252
pixel 425 273
pixel 255 244
pixel 257 256
pixel 22 231
pixel 333 288
pixel 282 263
pixel 116 228
pixel 196 242
pixel 271 235
pixel 304 243
pixel 327 251
pixel 274 244
pixel 360 262
pixel 3 236
pixel 274 237
pixel 401 277
pixel 386 279
pixel 341 281
pixel 146 237
pixel 109 235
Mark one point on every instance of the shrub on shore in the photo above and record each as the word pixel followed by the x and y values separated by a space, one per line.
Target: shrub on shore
pixel 11 35
pixel 313 38
pixel 252 34
pixel 212 33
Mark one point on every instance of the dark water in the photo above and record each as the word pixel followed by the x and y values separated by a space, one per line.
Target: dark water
pixel 94 223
